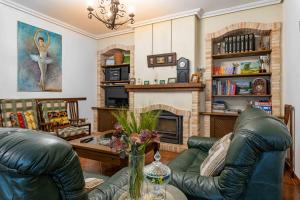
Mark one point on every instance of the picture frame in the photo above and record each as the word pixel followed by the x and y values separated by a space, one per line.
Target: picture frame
pixel 146 83
pixel 195 78
pixel 161 60
pixel 172 80
pixel 132 81
pixel 162 82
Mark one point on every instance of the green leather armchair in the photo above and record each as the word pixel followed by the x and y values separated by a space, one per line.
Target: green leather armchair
pixel 38 166
pixel 253 167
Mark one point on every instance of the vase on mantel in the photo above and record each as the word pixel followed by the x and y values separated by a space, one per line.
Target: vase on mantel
pixel 136 163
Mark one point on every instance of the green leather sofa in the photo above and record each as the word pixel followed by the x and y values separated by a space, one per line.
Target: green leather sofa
pixel 38 166
pixel 253 170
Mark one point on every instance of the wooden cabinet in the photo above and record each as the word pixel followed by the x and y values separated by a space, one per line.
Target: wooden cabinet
pixel 106 120
pixel 221 125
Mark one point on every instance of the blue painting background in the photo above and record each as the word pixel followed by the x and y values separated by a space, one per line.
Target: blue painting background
pixel 28 70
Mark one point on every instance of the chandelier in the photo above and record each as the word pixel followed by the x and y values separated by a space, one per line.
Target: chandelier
pixel 111 12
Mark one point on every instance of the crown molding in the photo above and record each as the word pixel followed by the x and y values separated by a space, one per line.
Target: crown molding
pixel 115 33
pixel 47 18
pixel 196 12
pixel 239 8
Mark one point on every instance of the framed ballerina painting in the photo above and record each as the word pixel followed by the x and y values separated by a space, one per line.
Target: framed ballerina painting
pixel 39 60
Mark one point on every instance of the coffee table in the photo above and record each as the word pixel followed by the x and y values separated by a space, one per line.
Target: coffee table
pixel 172 193
pixel 102 153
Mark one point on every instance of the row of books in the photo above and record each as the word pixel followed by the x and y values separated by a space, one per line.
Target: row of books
pixel 239 43
pixel 228 87
pixel 263 105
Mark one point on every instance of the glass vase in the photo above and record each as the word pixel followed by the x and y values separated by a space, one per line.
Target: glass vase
pixel 136 164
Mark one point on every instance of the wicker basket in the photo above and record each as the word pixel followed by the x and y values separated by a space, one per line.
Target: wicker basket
pixel 118 58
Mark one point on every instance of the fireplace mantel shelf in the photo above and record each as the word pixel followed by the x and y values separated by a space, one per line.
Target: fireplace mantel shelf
pixel 166 87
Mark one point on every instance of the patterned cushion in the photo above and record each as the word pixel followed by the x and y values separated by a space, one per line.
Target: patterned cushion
pixel 9 106
pixel 59 117
pixel 13 120
pixel 21 120
pixel 215 161
pixel 30 122
pixel 52 106
pixel 72 131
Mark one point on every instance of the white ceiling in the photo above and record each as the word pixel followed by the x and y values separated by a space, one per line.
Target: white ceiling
pixel 74 12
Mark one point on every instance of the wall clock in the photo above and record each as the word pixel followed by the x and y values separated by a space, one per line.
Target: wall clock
pixel 183 70
pixel 259 86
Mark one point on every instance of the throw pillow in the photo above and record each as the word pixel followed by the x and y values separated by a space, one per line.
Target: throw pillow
pixel 21 120
pixel 13 120
pixel 215 161
pixel 29 118
pixel 61 118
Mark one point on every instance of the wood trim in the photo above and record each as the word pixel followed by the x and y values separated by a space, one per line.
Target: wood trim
pixel 241 75
pixel 241 54
pixel 65 99
pixel 219 114
pixel 166 87
pixel 105 108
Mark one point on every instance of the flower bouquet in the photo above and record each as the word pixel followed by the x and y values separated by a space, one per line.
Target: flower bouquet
pixel 133 134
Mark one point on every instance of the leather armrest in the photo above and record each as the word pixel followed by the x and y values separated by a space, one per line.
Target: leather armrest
pixel 197 186
pixel 203 143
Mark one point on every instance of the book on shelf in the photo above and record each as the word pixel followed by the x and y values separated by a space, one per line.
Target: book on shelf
pixel 263 105
pixel 228 87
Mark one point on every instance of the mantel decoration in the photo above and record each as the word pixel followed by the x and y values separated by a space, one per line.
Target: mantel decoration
pixel 111 12
pixel 161 60
pixel 133 135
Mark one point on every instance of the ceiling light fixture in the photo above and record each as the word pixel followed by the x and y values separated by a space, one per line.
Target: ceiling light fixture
pixel 111 12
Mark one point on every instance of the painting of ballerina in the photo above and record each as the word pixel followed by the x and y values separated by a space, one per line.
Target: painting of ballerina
pixel 39 60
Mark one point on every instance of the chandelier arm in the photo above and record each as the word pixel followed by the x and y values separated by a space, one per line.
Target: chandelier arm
pixel 99 18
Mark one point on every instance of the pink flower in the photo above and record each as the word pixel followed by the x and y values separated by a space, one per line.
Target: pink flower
pixel 135 138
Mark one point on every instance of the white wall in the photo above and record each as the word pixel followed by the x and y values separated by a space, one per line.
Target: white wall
pixel 291 69
pixel 78 61
pixel 125 39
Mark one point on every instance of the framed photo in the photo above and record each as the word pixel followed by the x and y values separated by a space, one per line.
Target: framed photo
pixel 195 78
pixel 132 81
pixel 161 60
pixel 172 80
pixel 146 83
pixel 162 82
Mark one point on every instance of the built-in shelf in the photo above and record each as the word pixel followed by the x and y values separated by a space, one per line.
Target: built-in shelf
pixel 108 82
pixel 113 85
pixel 219 114
pixel 241 54
pixel 109 108
pixel 241 75
pixel 115 66
pixel 166 87
pixel 246 95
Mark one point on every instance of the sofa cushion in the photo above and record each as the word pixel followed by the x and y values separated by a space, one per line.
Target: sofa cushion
pixel 215 161
pixel 188 161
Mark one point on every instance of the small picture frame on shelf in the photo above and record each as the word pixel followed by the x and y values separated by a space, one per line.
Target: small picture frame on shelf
pixel 162 82
pixel 146 83
pixel 172 80
pixel 132 81
pixel 195 78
